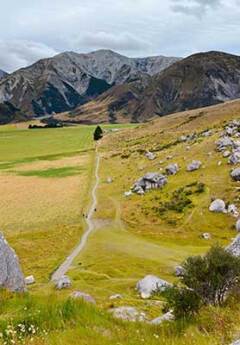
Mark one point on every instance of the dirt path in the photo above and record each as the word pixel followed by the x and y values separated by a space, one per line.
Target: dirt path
pixel 64 267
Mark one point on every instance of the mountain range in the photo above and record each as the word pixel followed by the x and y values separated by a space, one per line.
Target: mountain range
pixel 104 86
pixel 2 74
pixel 69 79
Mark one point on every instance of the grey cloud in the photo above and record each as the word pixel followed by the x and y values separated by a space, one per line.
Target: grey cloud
pixel 194 7
pixel 18 53
pixel 123 41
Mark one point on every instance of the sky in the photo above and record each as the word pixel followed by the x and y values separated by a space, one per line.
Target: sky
pixel 35 29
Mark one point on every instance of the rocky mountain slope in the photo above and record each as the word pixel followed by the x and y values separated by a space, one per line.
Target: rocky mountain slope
pixel 69 79
pixel 199 80
pixel 2 74
pixel 9 113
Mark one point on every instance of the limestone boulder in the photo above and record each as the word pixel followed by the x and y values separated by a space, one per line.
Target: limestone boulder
pixel 218 206
pixel 172 169
pixel 84 296
pixel 235 174
pixel 128 314
pixel 63 283
pixel 194 165
pixel 11 276
pixel 150 285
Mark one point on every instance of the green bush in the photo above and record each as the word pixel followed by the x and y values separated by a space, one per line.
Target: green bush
pixel 213 275
pixel 184 302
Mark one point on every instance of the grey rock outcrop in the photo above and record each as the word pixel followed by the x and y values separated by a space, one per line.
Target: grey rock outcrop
pixel 128 314
pixel 172 169
pixel 84 296
pixel 11 276
pixel 165 317
pixel 236 342
pixel 150 285
pixel 234 158
pixel 234 247
pixel 148 182
pixel 238 225
pixel 233 210
pixel 179 271
pixel 235 174
pixel 150 155
pixel 194 165
pixel 63 283
pixel 223 143
pixel 218 205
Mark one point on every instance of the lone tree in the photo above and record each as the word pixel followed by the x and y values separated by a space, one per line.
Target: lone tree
pixel 98 133
pixel 206 280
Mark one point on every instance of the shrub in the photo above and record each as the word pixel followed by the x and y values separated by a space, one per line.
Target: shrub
pixel 184 302
pixel 213 275
pixel 98 133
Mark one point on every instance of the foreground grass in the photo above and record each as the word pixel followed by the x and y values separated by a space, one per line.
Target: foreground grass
pixel 54 320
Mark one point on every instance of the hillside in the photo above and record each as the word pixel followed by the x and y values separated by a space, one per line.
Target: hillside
pixel 199 80
pixel 69 79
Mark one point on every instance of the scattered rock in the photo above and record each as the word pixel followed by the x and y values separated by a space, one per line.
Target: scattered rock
pixel 179 271
pixel 127 194
pixel 169 157
pixel 116 296
pixel 151 156
pixel 84 296
pixel 148 182
pixel 206 236
pixel 194 165
pixel 128 314
pixel 166 317
pixel 234 247
pixel 11 276
pixel 151 284
pixel 234 158
pixel 235 174
pixel 238 225
pixel 226 154
pixel 233 210
pixel 207 133
pixel 29 280
pixel 109 180
pixel 172 169
pixel 218 205
pixel 237 342
pixel 219 163
pixel 63 283
pixel 223 143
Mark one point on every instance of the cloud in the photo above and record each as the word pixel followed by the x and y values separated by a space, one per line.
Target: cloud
pixel 123 41
pixel 15 54
pixel 194 7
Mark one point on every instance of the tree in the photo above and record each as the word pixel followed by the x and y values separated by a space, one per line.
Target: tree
pixel 98 133
pixel 213 275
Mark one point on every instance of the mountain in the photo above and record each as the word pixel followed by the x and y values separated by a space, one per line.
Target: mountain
pixel 9 113
pixel 69 79
pixel 197 81
pixel 2 74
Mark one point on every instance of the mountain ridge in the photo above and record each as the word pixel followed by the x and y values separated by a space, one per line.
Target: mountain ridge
pixel 61 83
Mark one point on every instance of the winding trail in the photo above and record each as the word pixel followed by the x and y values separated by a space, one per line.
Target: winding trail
pixel 64 267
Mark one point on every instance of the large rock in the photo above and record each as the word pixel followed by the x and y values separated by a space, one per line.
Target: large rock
pixel 194 165
pixel 149 181
pixel 234 247
pixel 172 169
pixel 128 314
pixel 234 158
pixel 151 156
pixel 150 285
pixel 84 296
pixel 236 342
pixel 179 271
pixel 11 276
pixel 233 210
pixel 218 205
pixel 223 143
pixel 235 174
pixel 63 283
pixel 165 317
